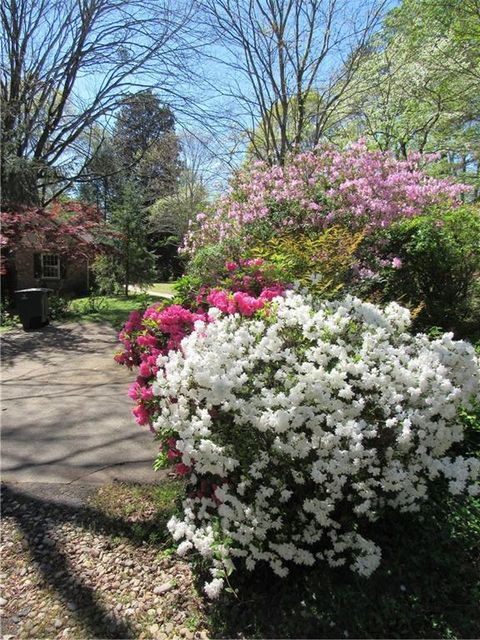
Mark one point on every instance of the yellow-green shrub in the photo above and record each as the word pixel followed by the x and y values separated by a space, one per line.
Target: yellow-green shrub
pixel 319 261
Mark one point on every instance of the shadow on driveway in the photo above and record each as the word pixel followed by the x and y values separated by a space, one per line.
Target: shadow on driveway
pixel 65 410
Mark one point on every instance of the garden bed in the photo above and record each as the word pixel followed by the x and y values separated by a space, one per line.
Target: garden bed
pixel 104 568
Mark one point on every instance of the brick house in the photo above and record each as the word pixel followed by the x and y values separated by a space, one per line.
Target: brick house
pixel 66 275
pixel 51 247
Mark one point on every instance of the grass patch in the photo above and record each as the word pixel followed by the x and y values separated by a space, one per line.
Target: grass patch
pixel 144 508
pixel 113 310
pixel 10 327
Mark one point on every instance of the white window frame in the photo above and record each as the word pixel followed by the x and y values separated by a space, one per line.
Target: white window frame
pixel 50 267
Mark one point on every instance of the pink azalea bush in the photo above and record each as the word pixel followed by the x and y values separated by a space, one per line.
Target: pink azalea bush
pixel 253 276
pixel 359 188
pixel 144 338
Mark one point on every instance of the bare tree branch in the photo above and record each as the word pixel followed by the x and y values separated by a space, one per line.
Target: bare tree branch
pixel 67 64
pixel 292 62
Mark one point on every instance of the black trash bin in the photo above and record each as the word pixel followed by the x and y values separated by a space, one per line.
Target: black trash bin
pixel 32 307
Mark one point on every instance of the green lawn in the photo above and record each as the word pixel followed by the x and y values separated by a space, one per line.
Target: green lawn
pixel 111 309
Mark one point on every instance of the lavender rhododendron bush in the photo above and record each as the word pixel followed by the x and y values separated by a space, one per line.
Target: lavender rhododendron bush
pixel 298 426
pixel 361 189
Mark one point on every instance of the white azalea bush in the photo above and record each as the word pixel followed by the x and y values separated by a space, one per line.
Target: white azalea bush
pixel 300 425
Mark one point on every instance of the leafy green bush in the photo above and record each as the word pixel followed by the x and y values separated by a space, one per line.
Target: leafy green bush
pixel 206 268
pixel 208 262
pixel 109 276
pixel 439 265
pixel 319 261
pixel 7 317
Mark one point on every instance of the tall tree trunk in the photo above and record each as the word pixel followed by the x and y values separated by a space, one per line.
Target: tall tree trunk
pixel 127 265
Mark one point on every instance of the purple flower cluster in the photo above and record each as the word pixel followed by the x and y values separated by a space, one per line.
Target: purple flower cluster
pixel 357 187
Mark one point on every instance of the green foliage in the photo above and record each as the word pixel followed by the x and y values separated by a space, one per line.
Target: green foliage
pixel 8 319
pixel 471 420
pixel 187 288
pixel 319 261
pixel 136 264
pixel 431 592
pixel 171 214
pixel 58 306
pixel 205 268
pixel 109 275
pixel 208 261
pixel 440 263
pixel 418 86
pixel 146 145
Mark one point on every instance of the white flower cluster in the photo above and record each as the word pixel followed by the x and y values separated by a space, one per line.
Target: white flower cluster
pixel 308 422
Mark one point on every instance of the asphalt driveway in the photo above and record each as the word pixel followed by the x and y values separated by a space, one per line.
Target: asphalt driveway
pixel 65 414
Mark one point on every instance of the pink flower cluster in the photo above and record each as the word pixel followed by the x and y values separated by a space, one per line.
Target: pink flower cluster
pixel 241 302
pixel 251 276
pixel 357 187
pixel 144 338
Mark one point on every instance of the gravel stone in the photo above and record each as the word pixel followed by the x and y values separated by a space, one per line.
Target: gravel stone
pixel 163 588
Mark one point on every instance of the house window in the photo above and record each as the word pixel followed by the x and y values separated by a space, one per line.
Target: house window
pixel 51 266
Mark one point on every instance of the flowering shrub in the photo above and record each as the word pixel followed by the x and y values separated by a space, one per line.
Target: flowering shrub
pixel 358 188
pixel 144 338
pixel 297 427
pixel 248 275
pixel 162 328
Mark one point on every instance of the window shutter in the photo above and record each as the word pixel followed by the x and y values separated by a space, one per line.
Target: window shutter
pixel 63 267
pixel 37 265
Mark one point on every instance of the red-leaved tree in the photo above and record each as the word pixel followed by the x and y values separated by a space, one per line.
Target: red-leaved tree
pixel 71 229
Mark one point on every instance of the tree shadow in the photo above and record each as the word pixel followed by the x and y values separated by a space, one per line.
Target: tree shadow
pixel 40 345
pixel 426 587
pixel 87 607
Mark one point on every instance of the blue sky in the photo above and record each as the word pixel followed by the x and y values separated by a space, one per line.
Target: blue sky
pixel 201 102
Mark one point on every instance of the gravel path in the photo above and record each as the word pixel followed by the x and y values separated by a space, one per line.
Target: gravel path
pixel 70 571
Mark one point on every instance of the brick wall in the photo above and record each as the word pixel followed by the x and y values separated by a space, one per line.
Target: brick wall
pixel 74 272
